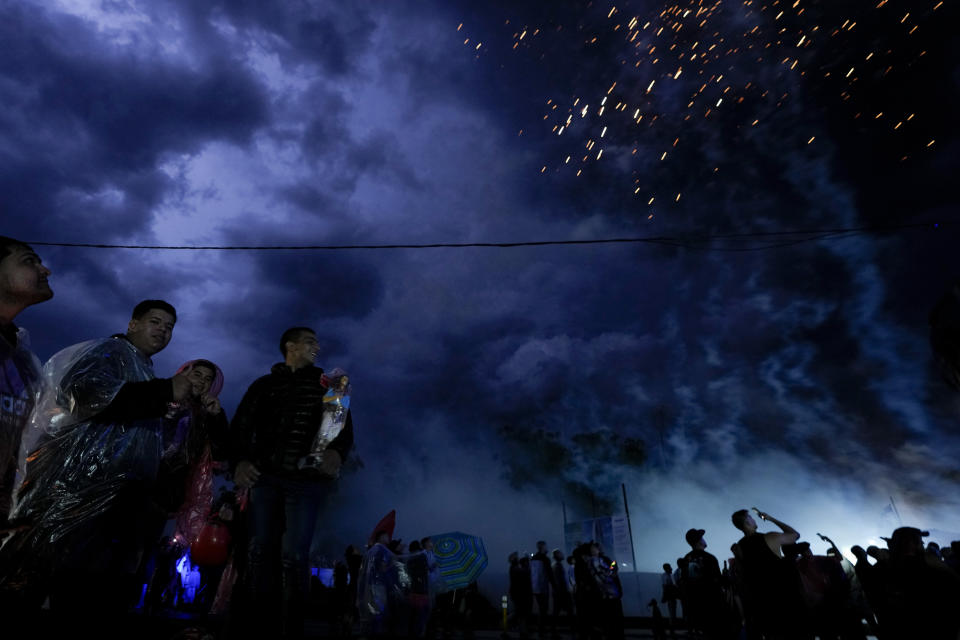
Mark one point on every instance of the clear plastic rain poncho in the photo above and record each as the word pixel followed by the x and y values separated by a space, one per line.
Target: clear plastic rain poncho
pixel 77 465
pixel 381 588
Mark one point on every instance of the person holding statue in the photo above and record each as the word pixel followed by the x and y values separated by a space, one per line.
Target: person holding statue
pixel 289 462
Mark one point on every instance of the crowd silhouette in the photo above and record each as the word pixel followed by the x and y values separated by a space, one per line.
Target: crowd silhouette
pixel 774 587
pixel 771 587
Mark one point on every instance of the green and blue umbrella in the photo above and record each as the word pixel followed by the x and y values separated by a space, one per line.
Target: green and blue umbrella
pixel 461 558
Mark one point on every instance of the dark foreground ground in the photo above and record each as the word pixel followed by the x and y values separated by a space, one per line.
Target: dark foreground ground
pixel 184 628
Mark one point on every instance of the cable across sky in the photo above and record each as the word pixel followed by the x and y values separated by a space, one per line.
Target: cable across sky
pixel 783 238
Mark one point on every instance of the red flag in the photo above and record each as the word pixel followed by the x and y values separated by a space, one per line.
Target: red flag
pixel 388 523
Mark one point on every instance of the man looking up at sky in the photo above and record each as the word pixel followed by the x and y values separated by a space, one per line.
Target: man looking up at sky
pixel 706 610
pixel 273 431
pixel 87 499
pixel 23 282
pixel 772 588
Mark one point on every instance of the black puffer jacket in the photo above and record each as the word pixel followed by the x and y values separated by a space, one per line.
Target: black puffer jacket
pixel 278 418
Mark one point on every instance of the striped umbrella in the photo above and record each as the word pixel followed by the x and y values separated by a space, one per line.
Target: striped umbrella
pixel 461 558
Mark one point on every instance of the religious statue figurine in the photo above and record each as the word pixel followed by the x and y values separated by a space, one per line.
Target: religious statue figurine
pixel 336 403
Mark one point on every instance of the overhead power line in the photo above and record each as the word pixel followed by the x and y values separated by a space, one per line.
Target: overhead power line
pixel 710 242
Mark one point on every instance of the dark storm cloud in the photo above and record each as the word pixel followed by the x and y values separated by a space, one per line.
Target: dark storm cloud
pixel 310 198
pixel 333 36
pixel 373 155
pixel 341 287
pixel 88 126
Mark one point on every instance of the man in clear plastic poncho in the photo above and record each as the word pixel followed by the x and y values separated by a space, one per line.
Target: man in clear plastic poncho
pixel 23 282
pixel 88 495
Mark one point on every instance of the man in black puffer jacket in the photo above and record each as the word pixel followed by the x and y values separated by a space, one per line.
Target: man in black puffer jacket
pixel 273 430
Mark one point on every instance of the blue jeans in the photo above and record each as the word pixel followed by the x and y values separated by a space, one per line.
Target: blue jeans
pixel 282 515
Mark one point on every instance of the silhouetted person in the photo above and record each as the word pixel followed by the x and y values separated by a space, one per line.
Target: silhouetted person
pixel 705 608
pixel 681 595
pixel 588 595
pixel 562 599
pixel 540 573
pixel 572 576
pixel 521 592
pixel 353 559
pixel 656 621
pixel 844 606
pixel 669 594
pixel 771 585
pixel 823 590
pixel 953 558
pixel 738 590
pixel 433 576
pixel 418 596
pixel 869 582
pixel 919 592
pixel 606 575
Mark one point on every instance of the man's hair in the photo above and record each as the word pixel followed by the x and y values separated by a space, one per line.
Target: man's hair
pixel 7 246
pixel 206 364
pixel 424 541
pixel 739 518
pixel 292 335
pixel 149 305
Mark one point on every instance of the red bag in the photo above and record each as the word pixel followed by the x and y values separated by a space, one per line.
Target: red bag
pixel 212 546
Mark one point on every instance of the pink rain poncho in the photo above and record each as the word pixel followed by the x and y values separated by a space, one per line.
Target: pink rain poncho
pixel 192 439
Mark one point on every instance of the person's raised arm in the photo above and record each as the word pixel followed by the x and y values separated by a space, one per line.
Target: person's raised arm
pixel 97 385
pixel 789 535
pixel 830 542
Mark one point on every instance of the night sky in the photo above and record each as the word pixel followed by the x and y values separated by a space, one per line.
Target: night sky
pixel 494 385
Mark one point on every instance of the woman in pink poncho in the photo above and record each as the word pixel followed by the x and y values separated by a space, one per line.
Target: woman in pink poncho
pixel 195 431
